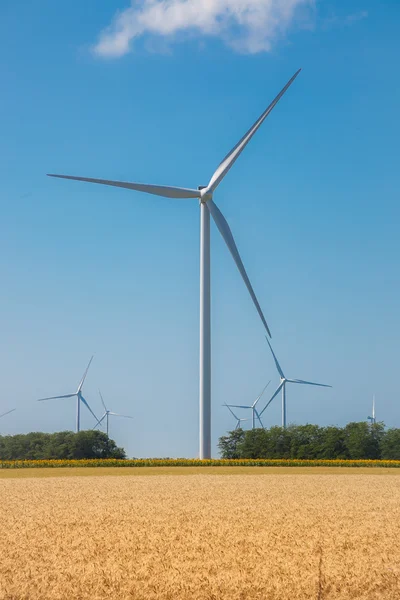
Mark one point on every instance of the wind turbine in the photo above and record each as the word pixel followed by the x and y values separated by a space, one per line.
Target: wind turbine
pixel 254 412
pixel 79 399
pixel 107 413
pixel 372 419
pixel 282 386
pixel 238 426
pixel 204 195
pixel 8 412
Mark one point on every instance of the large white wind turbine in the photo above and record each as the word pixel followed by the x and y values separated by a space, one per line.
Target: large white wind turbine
pixel 107 413
pixel 79 399
pixel 238 420
pixel 8 412
pixel 282 386
pixel 204 194
pixel 254 413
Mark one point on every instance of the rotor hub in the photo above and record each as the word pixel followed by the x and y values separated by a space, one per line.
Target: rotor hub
pixel 205 194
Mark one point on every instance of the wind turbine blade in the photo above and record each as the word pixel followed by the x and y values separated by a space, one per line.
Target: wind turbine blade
pixel 258 397
pixel 231 411
pixel 236 406
pixel 259 418
pixel 278 366
pixel 156 190
pixel 8 412
pixel 57 397
pixel 226 233
pixel 87 406
pixel 102 401
pixel 231 157
pixel 100 420
pixel 308 382
pixel 118 415
pixel 278 389
pixel 84 376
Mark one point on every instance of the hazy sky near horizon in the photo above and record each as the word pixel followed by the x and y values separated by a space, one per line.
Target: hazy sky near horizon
pixel 158 92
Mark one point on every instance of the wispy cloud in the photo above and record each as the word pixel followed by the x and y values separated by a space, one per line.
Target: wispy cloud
pixel 249 26
pixel 340 21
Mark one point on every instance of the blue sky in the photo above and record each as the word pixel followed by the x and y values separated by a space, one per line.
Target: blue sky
pixel 313 204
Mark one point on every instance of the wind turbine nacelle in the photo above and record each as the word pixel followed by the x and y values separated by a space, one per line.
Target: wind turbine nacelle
pixel 205 194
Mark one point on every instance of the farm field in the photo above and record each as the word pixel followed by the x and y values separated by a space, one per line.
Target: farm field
pixel 146 471
pixel 264 534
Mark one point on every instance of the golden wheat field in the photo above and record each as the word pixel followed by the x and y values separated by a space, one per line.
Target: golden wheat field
pixel 207 536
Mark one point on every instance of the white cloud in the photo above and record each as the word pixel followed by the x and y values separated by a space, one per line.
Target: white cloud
pixel 246 25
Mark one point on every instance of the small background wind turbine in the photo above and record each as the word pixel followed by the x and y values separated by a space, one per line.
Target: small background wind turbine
pixel 282 386
pixel 79 399
pixel 254 413
pixel 107 413
pixel 204 195
pixel 238 420
pixel 372 419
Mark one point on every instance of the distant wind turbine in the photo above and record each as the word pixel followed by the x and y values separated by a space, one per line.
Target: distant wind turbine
pixel 79 399
pixel 372 419
pixel 8 412
pixel 204 195
pixel 107 413
pixel 238 421
pixel 254 412
pixel 282 386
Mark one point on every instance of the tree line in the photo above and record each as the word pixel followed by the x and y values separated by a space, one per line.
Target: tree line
pixel 354 441
pixel 61 445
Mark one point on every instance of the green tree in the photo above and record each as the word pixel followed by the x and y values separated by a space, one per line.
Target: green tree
pixel 94 444
pixel 333 444
pixel 253 444
pixel 278 442
pixel 61 445
pixel 354 441
pixel 229 445
pixel 305 441
pixel 363 440
pixel 390 445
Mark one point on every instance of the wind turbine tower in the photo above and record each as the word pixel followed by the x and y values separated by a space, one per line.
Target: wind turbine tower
pixel 204 195
pixel 372 419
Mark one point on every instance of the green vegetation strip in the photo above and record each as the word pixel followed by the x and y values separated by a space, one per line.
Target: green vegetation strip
pixel 29 464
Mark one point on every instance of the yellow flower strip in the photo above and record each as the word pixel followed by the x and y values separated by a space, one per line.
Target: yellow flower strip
pixel 194 462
